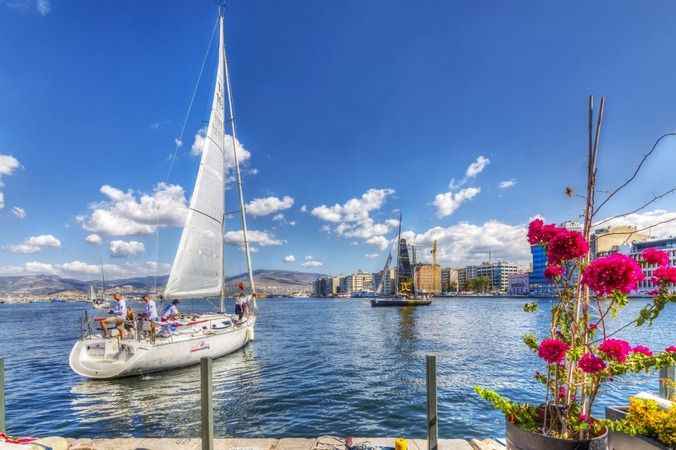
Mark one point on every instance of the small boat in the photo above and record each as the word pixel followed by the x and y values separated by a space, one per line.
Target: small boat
pixel 405 292
pixel 197 272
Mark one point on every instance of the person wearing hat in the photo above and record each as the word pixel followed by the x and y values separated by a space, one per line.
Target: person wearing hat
pixel 170 311
pixel 119 313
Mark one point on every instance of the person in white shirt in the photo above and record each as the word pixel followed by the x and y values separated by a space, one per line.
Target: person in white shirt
pixel 119 314
pixel 170 311
pixel 150 309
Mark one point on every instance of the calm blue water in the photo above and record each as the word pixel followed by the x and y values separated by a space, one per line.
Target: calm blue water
pixel 316 367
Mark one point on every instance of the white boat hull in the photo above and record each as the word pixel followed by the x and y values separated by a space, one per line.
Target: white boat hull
pixel 98 358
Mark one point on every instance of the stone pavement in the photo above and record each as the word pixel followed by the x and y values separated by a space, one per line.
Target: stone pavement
pixel 320 443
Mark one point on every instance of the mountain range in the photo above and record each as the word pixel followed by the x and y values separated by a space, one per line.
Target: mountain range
pixel 266 280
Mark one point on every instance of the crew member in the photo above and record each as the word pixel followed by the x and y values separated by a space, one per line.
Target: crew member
pixel 119 313
pixel 170 311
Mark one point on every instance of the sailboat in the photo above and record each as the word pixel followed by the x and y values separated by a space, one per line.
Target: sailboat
pixel 405 291
pixel 197 272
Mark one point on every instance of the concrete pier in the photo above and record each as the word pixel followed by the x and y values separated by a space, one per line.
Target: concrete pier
pixel 320 443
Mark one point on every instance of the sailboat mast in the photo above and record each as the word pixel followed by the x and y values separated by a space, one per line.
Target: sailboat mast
pixel 396 284
pixel 233 134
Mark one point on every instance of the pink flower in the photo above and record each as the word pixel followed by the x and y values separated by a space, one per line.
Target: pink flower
pixel 566 245
pixel 616 349
pixel 553 271
pixel 613 273
pixel 655 256
pixel 667 274
pixel 552 350
pixel 642 349
pixel 539 233
pixel 671 349
pixel 593 326
pixel 590 363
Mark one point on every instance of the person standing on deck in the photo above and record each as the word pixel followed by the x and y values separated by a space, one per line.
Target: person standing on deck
pixel 119 313
pixel 149 314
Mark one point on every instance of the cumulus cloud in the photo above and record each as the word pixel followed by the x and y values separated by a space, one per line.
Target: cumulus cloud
pixel 448 202
pixel 262 238
pixel 83 270
pixel 8 165
pixel 93 239
pixel 352 219
pixel 289 259
pixel 44 7
pixel 371 255
pixel 303 208
pixel 311 262
pixel 34 244
pixel 507 184
pixel 268 205
pixel 128 213
pixel 477 167
pixel 20 213
pixel 647 219
pixel 379 241
pixel 465 243
pixel 126 248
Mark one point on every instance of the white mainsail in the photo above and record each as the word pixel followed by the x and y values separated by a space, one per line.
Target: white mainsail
pixel 197 270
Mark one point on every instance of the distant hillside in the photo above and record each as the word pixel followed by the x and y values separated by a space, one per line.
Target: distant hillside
pixel 267 280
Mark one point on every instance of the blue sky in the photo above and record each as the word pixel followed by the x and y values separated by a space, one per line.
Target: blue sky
pixel 382 102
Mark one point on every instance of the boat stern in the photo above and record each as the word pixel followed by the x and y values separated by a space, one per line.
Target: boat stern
pixel 100 358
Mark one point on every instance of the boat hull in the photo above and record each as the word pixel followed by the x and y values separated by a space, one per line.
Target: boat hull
pixel 399 302
pixel 98 358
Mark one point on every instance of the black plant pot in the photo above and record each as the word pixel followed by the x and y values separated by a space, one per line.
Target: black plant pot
pixel 517 439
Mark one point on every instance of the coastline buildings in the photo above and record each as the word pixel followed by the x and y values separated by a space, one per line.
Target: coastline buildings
pixel 449 280
pixel 519 283
pixel 668 245
pixel 428 278
pixel 356 282
pixel 607 240
pixel 496 272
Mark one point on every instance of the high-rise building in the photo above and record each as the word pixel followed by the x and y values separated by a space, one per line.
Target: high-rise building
pixel 539 284
pixel 497 273
pixel 358 281
pixel 465 275
pixel 428 278
pixel 449 280
pixel 607 240
pixel 326 286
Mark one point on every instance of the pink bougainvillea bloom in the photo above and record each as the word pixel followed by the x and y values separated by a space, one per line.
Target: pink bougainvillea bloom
pixel 593 326
pixel 535 231
pixel 552 350
pixel 566 245
pixel 590 363
pixel 671 349
pixel 655 256
pixel 667 274
pixel 613 273
pixel 616 349
pixel 642 349
pixel 553 271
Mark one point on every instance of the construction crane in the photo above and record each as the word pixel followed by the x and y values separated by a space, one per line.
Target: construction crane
pixel 436 273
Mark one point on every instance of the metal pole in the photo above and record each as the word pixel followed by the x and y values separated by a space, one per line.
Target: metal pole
pixel 207 406
pixel 432 422
pixel 2 396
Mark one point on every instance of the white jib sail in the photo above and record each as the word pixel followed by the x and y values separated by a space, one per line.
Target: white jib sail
pixel 197 268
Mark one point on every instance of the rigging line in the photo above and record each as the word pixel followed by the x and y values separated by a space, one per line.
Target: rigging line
pixel 206 215
pixel 177 144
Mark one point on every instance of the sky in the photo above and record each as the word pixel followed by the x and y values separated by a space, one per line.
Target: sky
pixel 469 118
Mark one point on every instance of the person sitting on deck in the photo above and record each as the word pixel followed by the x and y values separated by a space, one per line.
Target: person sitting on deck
pixel 119 312
pixel 170 311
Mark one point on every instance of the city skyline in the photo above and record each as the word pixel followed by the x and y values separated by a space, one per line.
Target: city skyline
pixel 334 147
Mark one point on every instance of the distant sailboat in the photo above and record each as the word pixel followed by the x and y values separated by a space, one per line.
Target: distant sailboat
pixel 197 271
pixel 405 292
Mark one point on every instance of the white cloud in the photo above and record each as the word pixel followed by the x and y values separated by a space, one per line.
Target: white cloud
pixel 44 7
pixel 126 248
pixel 303 208
pixel 178 142
pixel 79 269
pixel 448 202
pixel 311 262
pixel 379 241
pixel 507 184
pixel 128 214
pixel 289 259
pixel 464 243
pixel 262 238
pixel 253 171
pixel 278 217
pixel 8 164
pixel 477 166
pixel 93 239
pixel 371 255
pixel 268 205
pixel 34 244
pixel 353 219
pixel 242 153
pixel 19 212
pixel 647 219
